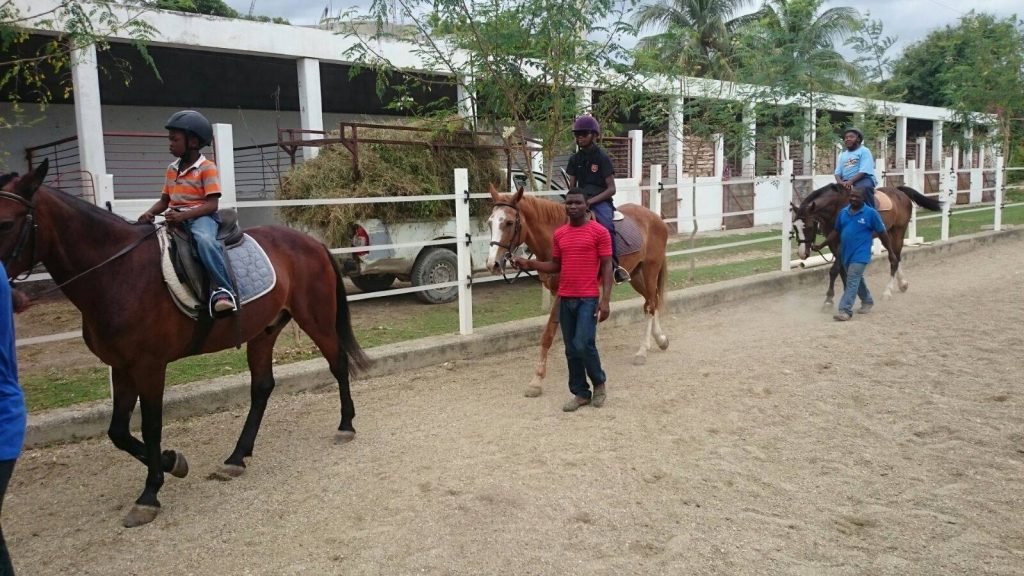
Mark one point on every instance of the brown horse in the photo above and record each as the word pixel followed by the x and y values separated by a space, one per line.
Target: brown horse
pixel 517 219
pixel 110 270
pixel 817 213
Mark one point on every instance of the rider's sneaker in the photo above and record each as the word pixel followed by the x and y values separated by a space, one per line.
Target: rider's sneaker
pixel 621 275
pixel 223 303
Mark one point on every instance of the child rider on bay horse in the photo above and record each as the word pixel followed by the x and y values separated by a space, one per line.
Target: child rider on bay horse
pixel 191 192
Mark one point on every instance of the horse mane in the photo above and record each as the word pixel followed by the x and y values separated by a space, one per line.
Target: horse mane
pixel 545 210
pixel 79 205
pixel 816 194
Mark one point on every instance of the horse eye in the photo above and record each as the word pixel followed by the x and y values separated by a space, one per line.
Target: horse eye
pixel 6 226
pixel 508 223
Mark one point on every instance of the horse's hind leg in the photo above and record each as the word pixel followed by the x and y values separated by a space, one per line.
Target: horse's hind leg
pixel 534 389
pixel 322 329
pixel 896 245
pixel 260 356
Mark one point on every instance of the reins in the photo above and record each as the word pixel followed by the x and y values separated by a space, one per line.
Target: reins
pixel 27 233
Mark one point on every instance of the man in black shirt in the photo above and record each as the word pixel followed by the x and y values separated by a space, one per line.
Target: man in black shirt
pixel 591 169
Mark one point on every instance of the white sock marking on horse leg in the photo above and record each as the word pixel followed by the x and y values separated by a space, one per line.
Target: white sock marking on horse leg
pixel 645 342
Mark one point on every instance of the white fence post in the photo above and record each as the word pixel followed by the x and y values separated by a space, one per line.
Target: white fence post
pixel 464 241
pixel 636 162
pixel 947 195
pixel 787 214
pixel 224 153
pixel 655 195
pixel 910 179
pixel 997 224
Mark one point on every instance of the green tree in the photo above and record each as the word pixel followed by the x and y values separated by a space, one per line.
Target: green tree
pixel 696 34
pixel 517 60
pixel 975 67
pixel 31 64
pixel 874 65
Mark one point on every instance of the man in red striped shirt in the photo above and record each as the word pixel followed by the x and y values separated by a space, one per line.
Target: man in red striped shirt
pixel 582 256
pixel 192 192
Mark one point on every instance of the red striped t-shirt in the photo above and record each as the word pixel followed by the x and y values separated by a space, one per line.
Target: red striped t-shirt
pixel 580 248
pixel 190 188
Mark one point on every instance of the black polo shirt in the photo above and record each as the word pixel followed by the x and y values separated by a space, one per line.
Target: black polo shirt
pixel 591 168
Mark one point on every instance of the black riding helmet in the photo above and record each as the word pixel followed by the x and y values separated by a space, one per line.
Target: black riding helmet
pixel 192 122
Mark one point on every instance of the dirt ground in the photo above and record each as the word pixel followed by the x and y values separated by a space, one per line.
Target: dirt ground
pixel 767 440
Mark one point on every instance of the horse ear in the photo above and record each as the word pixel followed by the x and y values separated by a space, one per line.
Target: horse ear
pixel 793 208
pixel 29 183
pixel 493 191
pixel 810 209
pixel 519 194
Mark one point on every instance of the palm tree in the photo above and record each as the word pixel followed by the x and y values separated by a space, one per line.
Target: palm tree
pixel 696 33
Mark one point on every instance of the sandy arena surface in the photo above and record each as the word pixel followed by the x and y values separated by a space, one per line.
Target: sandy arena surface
pixel 767 440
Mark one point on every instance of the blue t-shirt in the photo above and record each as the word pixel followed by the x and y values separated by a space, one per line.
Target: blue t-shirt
pixel 856 232
pixel 853 161
pixel 12 401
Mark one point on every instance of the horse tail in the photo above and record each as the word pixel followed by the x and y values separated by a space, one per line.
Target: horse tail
pixel 920 199
pixel 358 361
pixel 662 283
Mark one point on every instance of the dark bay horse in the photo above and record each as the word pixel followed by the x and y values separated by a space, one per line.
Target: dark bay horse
pixel 817 213
pixel 131 324
pixel 517 219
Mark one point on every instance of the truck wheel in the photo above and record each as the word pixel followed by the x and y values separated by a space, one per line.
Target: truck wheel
pixel 373 282
pixel 436 266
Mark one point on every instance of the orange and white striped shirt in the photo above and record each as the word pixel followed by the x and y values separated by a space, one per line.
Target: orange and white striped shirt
pixel 191 187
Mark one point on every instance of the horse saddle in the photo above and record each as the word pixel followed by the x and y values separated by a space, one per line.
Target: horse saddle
pixel 882 201
pixel 627 236
pixel 186 276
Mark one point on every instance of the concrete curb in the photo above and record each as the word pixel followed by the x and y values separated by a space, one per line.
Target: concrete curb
pixel 91 419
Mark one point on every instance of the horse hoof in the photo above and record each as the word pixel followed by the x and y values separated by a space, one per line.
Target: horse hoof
pixel 827 307
pixel 231 470
pixel 344 436
pixel 180 468
pixel 140 514
pixel 639 360
pixel 904 287
pixel 532 391
pixel 887 295
pixel 662 342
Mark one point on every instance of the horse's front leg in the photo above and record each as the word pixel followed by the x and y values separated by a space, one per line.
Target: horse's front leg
pixel 151 397
pixel 534 389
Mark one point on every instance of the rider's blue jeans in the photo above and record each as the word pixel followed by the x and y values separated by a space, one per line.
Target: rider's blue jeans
pixel 579 332
pixel 204 234
pixel 604 213
pixel 867 187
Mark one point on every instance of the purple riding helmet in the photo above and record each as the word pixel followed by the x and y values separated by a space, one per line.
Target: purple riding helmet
pixel 586 123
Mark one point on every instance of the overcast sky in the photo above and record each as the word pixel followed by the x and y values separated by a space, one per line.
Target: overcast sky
pixel 908 20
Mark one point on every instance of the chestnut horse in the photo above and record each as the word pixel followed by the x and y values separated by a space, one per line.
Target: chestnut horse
pixel 110 270
pixel 517 219
pixel 817 213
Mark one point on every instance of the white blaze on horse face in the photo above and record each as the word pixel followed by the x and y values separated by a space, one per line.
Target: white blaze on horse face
pixel 801 249
pixel 496 222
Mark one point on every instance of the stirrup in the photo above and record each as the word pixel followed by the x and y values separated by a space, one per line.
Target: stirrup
pixel 222 301
pixel 621 275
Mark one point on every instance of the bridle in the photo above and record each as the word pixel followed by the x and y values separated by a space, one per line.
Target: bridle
pixel 26 235
pixel 513 243
pixel 814 222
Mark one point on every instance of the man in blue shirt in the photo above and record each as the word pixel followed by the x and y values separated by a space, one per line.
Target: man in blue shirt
pixel 856 225
pixel 856 166
pixel 12 401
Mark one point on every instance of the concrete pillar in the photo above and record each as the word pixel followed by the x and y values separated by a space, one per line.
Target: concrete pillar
pixel 810 136
pixel 749 163
pixel 922 153
pixel 981 155
pixel 636 160
pixel 675 135
pixel 466 96
pixel 937 145
pixel 584 101
pixel 311 112
pixel 956 156
pixel 719 155
pixel 89 121
pixel 901 143
pixel 968 161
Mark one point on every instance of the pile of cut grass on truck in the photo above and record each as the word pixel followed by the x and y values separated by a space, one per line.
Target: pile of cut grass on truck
pixel 388 170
